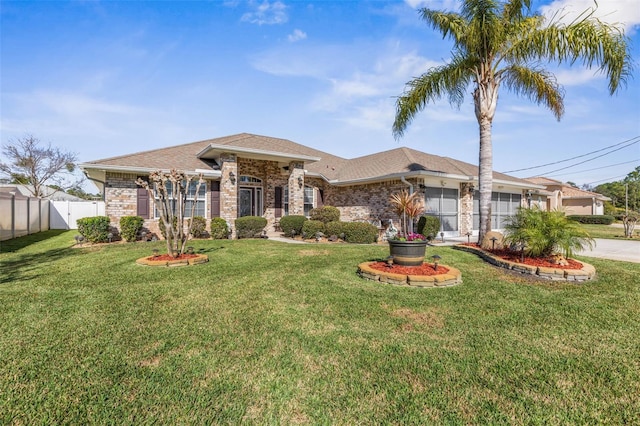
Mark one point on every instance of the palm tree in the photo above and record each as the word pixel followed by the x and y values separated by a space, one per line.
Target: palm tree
pixel 503 43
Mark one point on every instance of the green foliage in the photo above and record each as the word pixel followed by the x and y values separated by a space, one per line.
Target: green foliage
pixel 130 226
pixel 198 226
pixel 163 229
pixel 592 219
pixel 360 232
pixel 250 226
pixel 94 229
pixel 334 228
pixel 219 229
pixel 624 193
pixel 542 233
pixel 312 227
pixel 325 214
pixel 429 226
pixel 292 224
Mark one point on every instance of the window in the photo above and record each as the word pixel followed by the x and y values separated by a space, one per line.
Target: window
pixel 200 204
pixel 309 200
pixel 443 204
pixel 502 205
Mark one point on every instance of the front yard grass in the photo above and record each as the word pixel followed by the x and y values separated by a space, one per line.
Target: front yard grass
pixel 268 332
pixel 608 231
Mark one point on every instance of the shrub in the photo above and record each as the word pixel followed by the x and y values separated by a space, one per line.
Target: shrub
pixel 292 223
pixel 219 229
pixel 541 233
pixel 312 227
pixel 198 227
pixel 325 214
pixel 130 226
pixel 250 226
pixel 360 232
pixel 334 228
pixel 429 226
pixel 94 229
pixel 592 219
pixel 163 231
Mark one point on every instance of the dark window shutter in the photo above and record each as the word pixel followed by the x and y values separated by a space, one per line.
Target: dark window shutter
pixel 319 197
pixel 278 201
pixel 215 199
pixel 143 203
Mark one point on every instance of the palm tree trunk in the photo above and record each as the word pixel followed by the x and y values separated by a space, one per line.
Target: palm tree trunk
pixel 485 101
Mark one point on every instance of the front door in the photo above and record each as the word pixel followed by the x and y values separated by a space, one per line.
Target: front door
pixel 249 202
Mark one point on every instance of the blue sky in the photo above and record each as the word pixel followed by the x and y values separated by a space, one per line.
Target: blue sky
pixel 107 78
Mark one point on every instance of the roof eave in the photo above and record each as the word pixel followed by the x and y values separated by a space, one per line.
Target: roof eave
pixel 135 169
pixel 216 150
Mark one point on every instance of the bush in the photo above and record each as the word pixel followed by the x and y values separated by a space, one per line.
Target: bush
pixel 163 231
pixel 429 226
pixel 360 232
pixel 250 226
pixel 94 229
pixel 219 229
pixel 312 227
pixel 541 233
pixel 334 228
pixel 130 226
pixel 592 219
pixel 292 223
pixel 199 226
pixel 325 214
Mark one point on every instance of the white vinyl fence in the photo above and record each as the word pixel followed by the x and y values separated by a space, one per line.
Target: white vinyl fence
pixel 21 215
pixel 64 214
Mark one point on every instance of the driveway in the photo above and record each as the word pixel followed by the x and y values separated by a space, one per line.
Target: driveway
pixel 628 251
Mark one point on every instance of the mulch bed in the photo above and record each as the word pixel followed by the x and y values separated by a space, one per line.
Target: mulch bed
pixel 165 257
pixel 424 269
pixel 512 256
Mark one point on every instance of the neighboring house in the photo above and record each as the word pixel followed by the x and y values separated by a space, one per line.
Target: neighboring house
pixel 49 193
pixel 249 174
pixel 570 199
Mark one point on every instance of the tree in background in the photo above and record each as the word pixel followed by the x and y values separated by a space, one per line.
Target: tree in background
pixel 623 193
pixel 501 43
pixel 35 165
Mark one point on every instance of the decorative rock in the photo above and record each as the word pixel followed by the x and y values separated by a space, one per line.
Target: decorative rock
pixel 488 244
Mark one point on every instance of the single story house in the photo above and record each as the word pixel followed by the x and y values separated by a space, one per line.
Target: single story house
pixel 27 190
pixel 572 200
pixel 248 174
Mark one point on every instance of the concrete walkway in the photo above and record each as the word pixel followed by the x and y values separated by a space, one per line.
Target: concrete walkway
pixel 626 250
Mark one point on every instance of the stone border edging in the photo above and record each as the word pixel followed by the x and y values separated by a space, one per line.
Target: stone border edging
pixel 451 278
pixel 588 272
pixel 147 261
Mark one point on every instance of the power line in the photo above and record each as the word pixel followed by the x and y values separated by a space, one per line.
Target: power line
pixel 589 170
pixel 611 179
pixel 594 158
pixel 579 156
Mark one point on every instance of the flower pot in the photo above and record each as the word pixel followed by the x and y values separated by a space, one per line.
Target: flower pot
pixel 407 253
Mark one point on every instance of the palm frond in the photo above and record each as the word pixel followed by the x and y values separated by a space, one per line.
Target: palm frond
pixel 539 86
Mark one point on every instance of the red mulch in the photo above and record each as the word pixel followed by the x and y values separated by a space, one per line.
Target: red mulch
pixel 531 261
pixel 424 269
pixel 168 257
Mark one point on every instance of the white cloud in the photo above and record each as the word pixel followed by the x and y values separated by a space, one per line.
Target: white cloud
pixel 266 13
pixel 434 4
pixel 624 12
pixel 297 35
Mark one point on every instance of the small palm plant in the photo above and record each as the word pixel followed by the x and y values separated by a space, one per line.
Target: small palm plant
pixel 408 207
pixel 541 233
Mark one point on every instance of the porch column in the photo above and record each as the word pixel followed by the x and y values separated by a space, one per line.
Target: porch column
pixel 466 208
pixel 229 190
pixel 296 188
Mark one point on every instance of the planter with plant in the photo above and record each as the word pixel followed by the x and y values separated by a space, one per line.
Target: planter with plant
pixel 407 248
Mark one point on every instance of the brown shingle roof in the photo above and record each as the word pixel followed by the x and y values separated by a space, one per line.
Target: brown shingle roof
pixel 568 191
pixel 333 168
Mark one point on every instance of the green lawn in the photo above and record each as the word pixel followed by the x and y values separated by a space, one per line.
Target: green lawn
pixel 269 333
pixel 608 231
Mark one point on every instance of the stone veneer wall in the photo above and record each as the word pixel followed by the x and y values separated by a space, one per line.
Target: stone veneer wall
pixel 466 209
pixel 370 201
